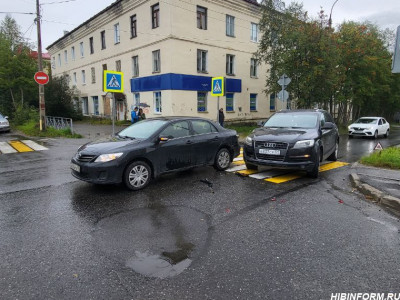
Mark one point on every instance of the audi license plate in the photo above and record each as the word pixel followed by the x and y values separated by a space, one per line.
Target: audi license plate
pixel 75 167
pixel 269 151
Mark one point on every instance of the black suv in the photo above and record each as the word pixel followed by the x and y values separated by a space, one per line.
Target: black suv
pixel 293 139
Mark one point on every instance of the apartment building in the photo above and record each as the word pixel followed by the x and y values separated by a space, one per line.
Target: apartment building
pixel 168 51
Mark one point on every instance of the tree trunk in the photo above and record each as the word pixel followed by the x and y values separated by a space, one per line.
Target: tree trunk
pixel 12 97
pixel 22 96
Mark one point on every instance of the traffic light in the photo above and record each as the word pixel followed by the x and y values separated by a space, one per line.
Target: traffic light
pixel 396 55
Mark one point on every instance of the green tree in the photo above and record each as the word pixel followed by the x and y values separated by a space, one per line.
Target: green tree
pixel 59 98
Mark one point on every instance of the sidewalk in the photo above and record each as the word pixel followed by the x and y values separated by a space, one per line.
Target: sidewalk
pixel 381 186
pixel 94 132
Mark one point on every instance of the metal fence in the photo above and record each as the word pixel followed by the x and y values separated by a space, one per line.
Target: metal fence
pixel 59 123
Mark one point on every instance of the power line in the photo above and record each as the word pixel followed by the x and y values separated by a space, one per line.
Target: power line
pixel 16 12
pixel 57 2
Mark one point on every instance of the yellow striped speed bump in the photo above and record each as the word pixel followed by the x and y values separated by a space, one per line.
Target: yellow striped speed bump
pixel 275 175
pixel 15 146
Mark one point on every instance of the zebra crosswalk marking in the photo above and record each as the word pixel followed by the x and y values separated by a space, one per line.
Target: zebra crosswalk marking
pixel 5 148
pixel 15 146
pixel 20 147
pixel 272 175
pixel 34 146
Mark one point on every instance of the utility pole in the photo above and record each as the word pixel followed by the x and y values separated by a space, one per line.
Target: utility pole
pixel 330 15
pixel 42 106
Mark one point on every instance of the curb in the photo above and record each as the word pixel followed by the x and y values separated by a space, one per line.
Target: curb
pixel 389 202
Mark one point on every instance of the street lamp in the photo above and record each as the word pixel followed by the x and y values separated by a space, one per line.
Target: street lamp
pixel 330 15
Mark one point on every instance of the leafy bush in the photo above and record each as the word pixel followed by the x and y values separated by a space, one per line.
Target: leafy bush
pixel 387 158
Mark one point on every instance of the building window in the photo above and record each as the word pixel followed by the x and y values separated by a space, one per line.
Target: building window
pixel 73 53
pixel 74 78
pixel 254 32
pixel 135 66
pixel 91 45
pixel 95 100
pixel 137 99
pixel 59 59
pixel 272 102
pixel 66 56
pixel 201 61
pixel 253 102
pixel 82 49
pixel 230 25
pixel 116 34
pixel 103 39
pixel 230 64
pixel 157 102
pixel 93 73
pixel 202 101
pixel 85 106
pixel 201 17
pixel 53 62
pixel 156 61
pixel 118 66
pixel 83 77
pixel 229 102
pixel 253 68
pixel 155 16
pixel 133 27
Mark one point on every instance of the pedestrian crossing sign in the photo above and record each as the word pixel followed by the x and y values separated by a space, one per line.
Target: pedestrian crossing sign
pixel 218 86
pixel 113 81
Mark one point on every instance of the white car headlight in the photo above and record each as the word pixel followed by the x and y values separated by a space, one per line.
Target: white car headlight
pixel 303 144
pixel 249 141
pixel 108 157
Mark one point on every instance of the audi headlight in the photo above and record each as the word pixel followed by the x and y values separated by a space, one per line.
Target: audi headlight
pixel 249 141
pixel 303 144
pixel 108 157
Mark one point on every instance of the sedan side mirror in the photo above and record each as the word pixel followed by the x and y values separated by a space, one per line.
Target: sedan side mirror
pixel 261 123
pixel 163 139
pixel 328 125
pixel 6 117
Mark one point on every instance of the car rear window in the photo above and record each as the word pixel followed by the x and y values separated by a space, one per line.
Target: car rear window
pixel 143 129
pixel 293 120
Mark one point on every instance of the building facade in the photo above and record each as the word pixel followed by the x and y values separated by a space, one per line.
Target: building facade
pixel 169 51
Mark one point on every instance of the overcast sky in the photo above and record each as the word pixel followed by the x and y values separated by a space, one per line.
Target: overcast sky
pixel 59 15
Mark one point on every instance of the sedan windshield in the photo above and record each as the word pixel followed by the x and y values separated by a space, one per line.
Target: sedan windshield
pixel 366 121
pixel 142 130
pixel 292 120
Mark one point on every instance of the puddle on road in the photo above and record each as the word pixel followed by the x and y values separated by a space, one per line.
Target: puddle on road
pixel 156 266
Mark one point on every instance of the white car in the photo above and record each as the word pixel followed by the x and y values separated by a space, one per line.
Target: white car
pixel 369 126
pixel 4 124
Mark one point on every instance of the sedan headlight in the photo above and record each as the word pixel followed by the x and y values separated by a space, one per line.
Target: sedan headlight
pixel 303 144
pixel 249 141
pixel 108 157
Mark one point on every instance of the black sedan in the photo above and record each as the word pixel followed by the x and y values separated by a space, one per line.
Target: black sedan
pixel 153 147
pixel 293 139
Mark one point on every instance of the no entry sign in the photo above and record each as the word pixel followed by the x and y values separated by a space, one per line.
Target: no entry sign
pixel 41 77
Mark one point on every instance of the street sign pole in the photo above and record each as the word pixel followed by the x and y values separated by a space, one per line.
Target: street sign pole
pixel 113 114
pixel 42 106
pixel 218 109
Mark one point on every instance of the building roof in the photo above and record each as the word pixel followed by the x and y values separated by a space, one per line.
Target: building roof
pixel 254 2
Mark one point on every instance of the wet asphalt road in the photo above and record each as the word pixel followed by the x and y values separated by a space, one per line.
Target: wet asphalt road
pixel 199 234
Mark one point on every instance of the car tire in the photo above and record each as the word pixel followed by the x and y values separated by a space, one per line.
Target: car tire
pixel 251 166
pixel 376 134
pixel 386 134
pixel 137 175
pixel 350 136
pixel 222 159
pixel 315 170
pixel 334 155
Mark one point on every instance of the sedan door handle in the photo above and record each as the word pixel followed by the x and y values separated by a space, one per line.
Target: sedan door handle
pixel 215 139
pixel 189 142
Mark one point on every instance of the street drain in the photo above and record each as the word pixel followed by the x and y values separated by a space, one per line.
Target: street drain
pixel 156 266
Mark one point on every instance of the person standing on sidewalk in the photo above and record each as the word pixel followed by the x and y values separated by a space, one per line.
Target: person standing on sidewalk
pixel 134 115
pixel 221 117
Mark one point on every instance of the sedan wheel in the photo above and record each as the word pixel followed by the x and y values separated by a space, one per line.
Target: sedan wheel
pixel 386 134
pixel 314 172
pixel 376 134
pixel 137 175
pixel 222 159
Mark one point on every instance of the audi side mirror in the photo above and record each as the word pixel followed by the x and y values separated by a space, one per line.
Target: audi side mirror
pixel 328 125
pixel 261 123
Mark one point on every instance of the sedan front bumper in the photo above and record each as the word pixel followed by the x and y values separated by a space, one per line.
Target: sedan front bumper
pixel 99 173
